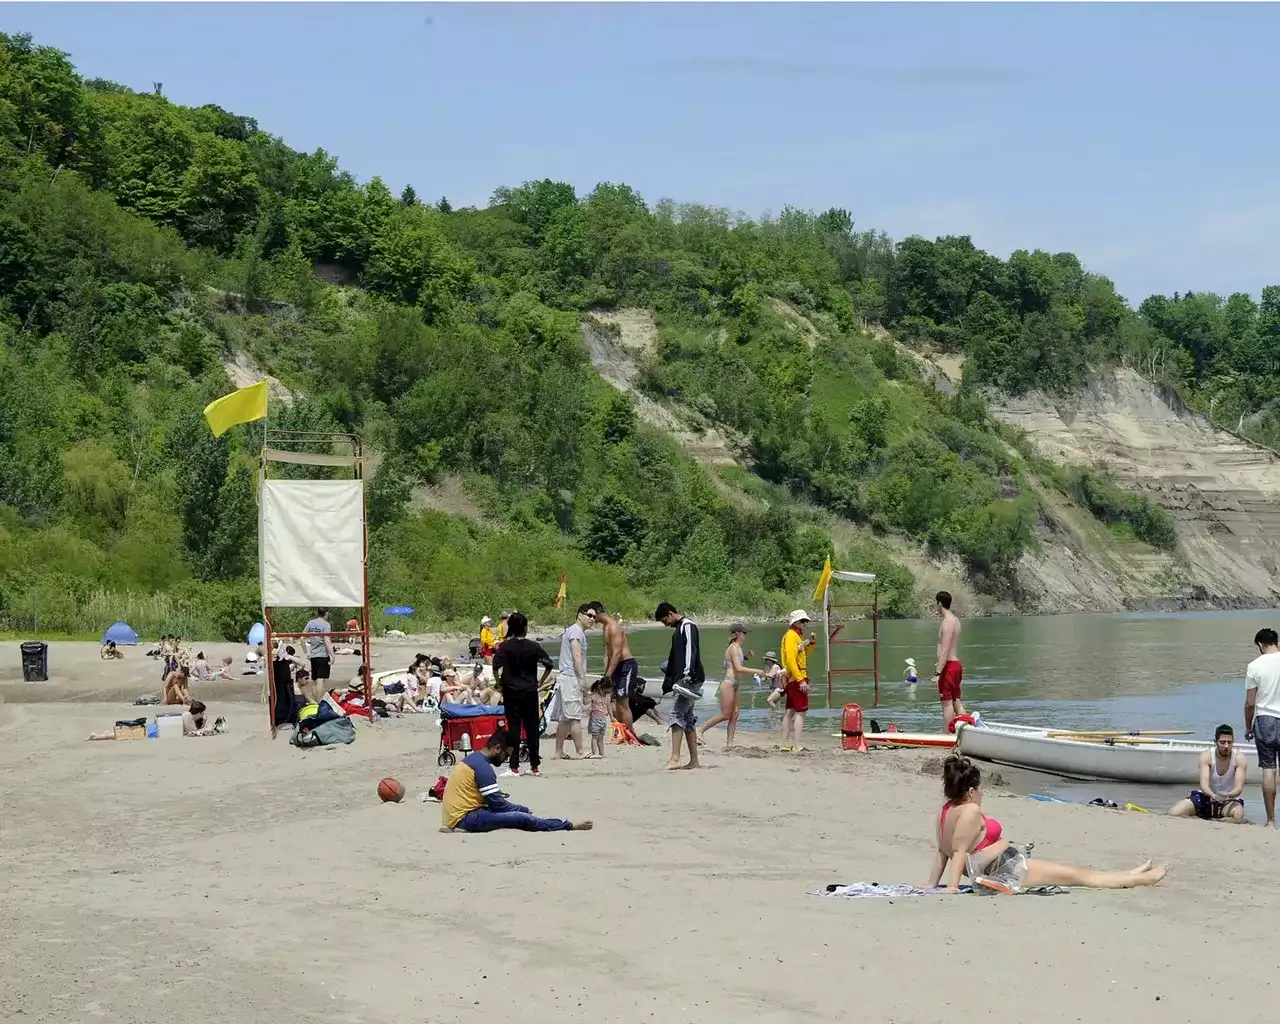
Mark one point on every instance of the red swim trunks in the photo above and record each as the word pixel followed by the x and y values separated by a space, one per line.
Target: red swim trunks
pixel 949 680
pixel 797 699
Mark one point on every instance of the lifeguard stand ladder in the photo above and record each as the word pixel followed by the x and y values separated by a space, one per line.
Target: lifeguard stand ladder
pixel 834 623
pixel 313 539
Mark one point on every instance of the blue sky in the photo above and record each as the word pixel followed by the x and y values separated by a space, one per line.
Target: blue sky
pixel 1140 137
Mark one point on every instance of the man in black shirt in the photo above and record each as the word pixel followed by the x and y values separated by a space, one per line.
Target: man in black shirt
pixel 515 664
pixel 684 677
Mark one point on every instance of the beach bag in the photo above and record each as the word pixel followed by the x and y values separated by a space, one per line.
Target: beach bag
pixel 1004 876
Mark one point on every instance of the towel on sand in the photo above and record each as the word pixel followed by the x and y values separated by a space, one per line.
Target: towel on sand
pixel 874 890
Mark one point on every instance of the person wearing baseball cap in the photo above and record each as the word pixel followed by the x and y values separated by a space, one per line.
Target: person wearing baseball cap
pixel 734 669
pixel 795 659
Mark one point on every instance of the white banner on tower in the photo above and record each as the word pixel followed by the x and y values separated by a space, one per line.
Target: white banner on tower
pixel 311 543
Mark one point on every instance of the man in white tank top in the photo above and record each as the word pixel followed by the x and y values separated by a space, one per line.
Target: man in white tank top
pixel 1222 771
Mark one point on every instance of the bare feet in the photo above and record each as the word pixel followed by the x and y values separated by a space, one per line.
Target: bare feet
pixel 1144 866
pixel 671 766
pixel 1152 876
pixel 582 826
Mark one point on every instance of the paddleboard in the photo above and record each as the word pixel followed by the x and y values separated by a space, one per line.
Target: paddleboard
pixel 910 739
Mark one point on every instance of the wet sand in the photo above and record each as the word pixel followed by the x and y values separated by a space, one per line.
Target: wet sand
pixel 234 878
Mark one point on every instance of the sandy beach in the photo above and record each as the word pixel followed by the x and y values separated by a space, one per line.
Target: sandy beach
pixel 235 878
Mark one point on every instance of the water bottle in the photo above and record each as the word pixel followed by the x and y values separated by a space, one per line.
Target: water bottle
pixel 465 743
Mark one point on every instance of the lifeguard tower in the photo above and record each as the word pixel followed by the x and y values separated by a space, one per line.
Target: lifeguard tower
pixel 313 539
pixel 836 615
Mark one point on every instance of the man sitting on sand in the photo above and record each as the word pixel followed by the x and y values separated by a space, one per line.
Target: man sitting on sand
pixel 110 650
pixel 1221 782
pixel 472 801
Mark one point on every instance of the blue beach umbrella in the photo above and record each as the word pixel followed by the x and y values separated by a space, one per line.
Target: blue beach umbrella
pixel 398 609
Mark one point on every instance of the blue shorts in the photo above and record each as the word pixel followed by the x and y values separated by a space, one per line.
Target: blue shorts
pixel 1207 809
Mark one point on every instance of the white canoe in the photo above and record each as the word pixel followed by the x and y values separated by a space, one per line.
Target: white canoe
pixel 1173 761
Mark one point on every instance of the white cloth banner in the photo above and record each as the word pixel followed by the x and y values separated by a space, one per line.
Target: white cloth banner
pixel 311 543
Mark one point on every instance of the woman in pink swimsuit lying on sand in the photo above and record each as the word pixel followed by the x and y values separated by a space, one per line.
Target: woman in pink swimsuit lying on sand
pixel 963 830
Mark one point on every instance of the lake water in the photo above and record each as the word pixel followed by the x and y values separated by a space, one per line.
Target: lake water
pixel 1122 671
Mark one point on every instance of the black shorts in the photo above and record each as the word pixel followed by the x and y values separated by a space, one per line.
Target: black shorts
pixel 320 668
pixel 624 678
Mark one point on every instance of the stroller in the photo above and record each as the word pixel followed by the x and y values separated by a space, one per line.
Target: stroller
pixel 477 723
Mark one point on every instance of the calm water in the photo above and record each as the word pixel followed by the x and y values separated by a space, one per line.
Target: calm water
pixel 1124 671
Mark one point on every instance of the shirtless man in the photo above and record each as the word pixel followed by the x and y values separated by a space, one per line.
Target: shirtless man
pixel 947 671
pixel 1222 770
pixel 620 668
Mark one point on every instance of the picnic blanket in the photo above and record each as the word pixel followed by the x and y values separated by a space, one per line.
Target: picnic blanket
pixel 874 890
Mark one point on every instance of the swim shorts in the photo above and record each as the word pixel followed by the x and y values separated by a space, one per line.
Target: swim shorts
pixel 624 678
pixel 320 668
pixel 1207 809
pixel 949 680
pixel 1266 739
pixel 797 699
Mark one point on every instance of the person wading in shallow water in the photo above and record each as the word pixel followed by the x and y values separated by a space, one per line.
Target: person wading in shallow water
pixel 948 673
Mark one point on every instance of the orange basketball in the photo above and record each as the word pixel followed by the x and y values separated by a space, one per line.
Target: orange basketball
pixel 390 790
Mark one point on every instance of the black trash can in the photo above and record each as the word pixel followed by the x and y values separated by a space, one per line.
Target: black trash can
pixel 35 661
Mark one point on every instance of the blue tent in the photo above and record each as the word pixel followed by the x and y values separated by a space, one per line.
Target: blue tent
pixel 121 633
pixel 257 634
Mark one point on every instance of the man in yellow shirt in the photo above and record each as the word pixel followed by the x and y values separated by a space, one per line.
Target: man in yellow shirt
pixel 472 801
pixel 795 662
pixel 502 627
pixel 487 642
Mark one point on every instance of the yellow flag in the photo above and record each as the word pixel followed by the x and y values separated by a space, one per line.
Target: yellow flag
pixel 824 581
pixel 243 406
pixel 560 594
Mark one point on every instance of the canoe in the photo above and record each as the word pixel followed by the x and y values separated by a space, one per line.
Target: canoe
pixel 1159 761
pixel 909 739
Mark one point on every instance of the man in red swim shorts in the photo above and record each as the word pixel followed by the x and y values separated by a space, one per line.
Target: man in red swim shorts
pixel 948 671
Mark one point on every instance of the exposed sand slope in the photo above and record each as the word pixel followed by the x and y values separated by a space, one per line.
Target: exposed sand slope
pixel 1222 491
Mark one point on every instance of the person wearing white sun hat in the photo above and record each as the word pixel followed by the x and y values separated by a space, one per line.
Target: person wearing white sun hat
pixel 795 657
pixel 488 642
pixel 910 674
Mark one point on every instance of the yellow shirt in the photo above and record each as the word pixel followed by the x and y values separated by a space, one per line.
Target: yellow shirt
pixel 462 793
pixel 795 657
pixel 486 637
pixel 502 631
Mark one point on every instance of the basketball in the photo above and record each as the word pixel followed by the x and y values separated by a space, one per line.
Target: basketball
pixel 390 790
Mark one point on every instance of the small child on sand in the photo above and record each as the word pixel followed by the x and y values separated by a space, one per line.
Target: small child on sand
pixel 598 720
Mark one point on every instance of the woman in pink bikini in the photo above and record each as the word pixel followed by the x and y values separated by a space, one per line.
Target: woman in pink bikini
pixel 963 830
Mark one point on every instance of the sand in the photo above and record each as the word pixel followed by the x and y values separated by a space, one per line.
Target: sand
pixel 234 878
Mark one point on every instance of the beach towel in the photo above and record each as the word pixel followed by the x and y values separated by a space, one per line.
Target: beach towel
pixel 874 890
pixel 327 734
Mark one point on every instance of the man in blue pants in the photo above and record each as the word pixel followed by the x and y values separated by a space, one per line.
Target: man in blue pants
pixel 472 801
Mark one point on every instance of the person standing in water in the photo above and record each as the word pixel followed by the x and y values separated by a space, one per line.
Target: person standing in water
pixel 910 674
pixel 1262 713
pixel 948 673
pixel 620 668
pixel 734 669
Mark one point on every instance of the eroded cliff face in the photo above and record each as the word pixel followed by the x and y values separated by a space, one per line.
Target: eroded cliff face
pixel 1223 492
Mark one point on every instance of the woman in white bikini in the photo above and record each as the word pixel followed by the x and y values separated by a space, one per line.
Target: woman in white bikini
pixel 734 669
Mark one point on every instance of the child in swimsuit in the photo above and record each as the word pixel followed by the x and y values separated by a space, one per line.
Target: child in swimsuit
pixel 598 720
